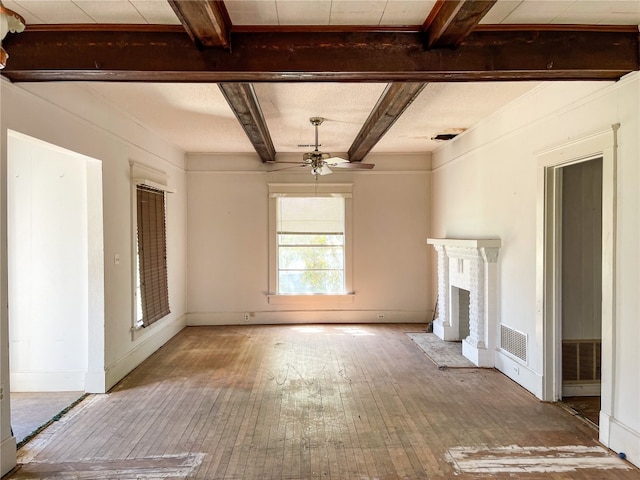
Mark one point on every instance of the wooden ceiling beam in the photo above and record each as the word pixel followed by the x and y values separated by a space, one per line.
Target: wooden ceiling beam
pixel 206 22
pixel 451 21
pixel 392 103
pixel 297 56
pixel 243 101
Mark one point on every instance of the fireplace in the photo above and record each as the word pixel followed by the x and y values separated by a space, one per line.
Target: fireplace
pixel 468 266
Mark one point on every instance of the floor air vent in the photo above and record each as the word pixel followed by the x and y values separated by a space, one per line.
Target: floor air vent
pixel 513 342
pixel 581 360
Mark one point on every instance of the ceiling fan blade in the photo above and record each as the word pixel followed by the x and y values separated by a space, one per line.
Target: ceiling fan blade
pixel 355 165
pixel 283 161
pixel 335 160
pixel 286 168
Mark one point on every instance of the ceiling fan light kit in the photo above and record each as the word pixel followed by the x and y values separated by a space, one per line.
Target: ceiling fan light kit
pixel 321 161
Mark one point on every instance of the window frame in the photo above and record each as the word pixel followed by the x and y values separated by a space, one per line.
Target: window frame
pixel 151 178
pixel 157 278
pixel 342 190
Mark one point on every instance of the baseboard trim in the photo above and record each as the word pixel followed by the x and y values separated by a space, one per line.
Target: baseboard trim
pixel 289 317
pixel 519 373
pixel 581 390
pixel 94 382
pixel 8 450
pixel 620 438
pixel 156 338
pixel 71 381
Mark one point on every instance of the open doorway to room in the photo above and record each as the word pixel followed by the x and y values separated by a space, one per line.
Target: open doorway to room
pixel 576 265
pixel 55 266
pixel 580 252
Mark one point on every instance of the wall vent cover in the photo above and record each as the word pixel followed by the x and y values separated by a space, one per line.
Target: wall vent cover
pixel 513 342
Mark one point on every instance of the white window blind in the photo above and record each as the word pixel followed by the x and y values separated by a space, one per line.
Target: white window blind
pixel 311 245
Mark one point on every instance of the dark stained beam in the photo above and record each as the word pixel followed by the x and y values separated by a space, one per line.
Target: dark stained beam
pixel 206 21
pixel 451 21
pixel 243 101
pixel 163 56
pixel 393 101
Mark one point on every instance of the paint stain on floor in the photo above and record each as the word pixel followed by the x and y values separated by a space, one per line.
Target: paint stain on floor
pixel 161 467
pixel 516 459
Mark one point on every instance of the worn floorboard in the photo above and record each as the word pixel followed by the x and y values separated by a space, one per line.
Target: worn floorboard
pixel 314 402
pixel 589 407
pixel 32 410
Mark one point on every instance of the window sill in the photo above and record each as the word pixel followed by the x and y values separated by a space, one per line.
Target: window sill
pixel 137 331
pixel 311 299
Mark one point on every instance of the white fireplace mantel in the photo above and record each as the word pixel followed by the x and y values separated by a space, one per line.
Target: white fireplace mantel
pixel 468 264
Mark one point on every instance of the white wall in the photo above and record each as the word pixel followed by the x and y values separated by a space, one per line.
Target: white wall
pixel 48 240
pixel 228 242
pixel 582 251
pixel 485 185
pixel 67 115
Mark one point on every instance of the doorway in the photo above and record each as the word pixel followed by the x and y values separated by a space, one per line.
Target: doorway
pixel 600 145
pixel 55 272
pixel 580 251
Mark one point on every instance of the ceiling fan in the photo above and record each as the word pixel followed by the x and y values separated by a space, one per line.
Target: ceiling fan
pixel 321 161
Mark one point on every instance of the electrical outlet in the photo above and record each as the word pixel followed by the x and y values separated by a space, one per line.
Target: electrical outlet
pixel 516 370
pixel 246 317
pixel 380 315
pixel 1 392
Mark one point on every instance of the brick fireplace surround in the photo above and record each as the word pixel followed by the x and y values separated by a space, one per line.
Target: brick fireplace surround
pixel 468 265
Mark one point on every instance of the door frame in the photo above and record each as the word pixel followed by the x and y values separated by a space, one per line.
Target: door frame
pixel 603 145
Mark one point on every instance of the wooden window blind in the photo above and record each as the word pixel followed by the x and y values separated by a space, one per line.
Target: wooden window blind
pixel 152 254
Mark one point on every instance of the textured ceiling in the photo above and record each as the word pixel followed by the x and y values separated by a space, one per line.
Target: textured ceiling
pixel 196 117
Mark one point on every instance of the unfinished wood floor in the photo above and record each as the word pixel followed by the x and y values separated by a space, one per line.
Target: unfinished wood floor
pixel 304 402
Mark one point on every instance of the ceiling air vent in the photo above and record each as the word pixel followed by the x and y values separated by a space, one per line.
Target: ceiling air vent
pixel 444 136
pixel 448 134
pixel 513 342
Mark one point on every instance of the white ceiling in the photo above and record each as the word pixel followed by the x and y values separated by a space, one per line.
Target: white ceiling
pixel 587 12
pixel 327 12
pixel 92 11
pixel 196 118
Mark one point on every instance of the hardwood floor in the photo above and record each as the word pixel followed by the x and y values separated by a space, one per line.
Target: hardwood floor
pixel 30 411
pixel 320 401
pixel 589 407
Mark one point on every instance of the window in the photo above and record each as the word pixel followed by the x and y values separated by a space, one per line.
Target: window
pixel 310 242
pixel 152 286
pixel 310 239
